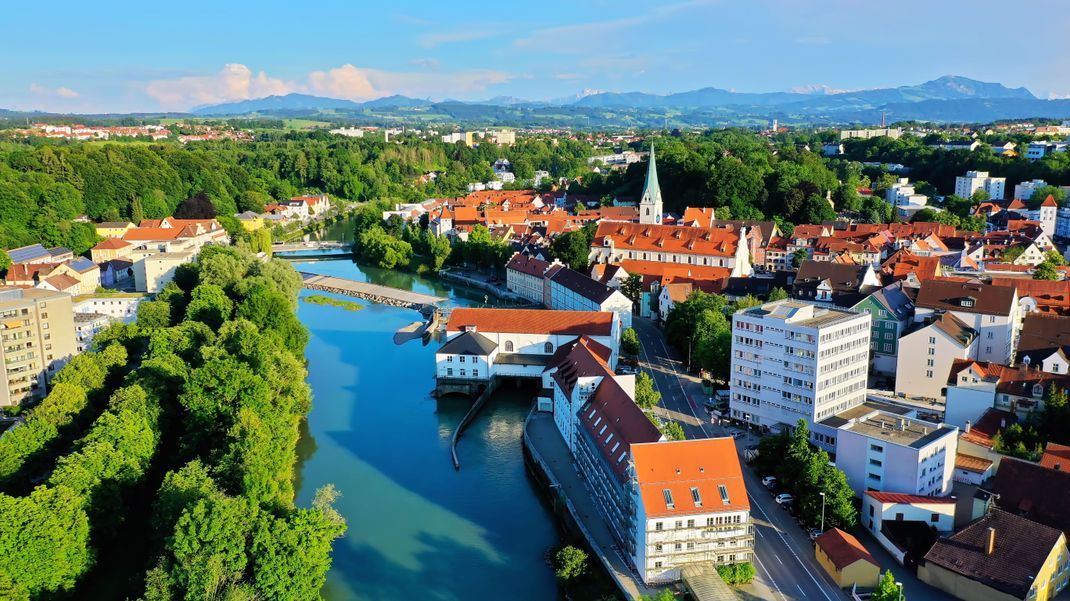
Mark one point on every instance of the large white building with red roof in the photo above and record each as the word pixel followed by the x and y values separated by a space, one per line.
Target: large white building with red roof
pixel 616 241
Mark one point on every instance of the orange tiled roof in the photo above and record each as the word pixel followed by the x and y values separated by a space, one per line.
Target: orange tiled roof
pixel 111 244
pixel 1056 456
pixel 843 549
pixel 971 463
pixel 705 464
pixel 532 321
pixel 667 238
pixel 704 216
pixel 152 233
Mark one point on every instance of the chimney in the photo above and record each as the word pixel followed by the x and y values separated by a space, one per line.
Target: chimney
pixel 968 426
pixel 990 540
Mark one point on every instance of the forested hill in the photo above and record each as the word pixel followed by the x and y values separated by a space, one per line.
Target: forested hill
pixel 45 185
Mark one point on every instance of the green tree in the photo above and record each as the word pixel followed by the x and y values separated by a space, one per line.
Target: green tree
pixel 645 395
pixel 573 248
pixel 44 538
pixel 210 305
pixel 887 589
pixel 798 257
pixel 153 314
pixel 673 431
pixel 5 262
pixel 632 287
pixel 570 563
pixel 777 294
pixel 629 342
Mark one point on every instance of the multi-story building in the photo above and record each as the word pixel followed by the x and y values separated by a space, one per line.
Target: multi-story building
pixel 483 343
pixel 927 351
pixel 691 507
pixel 617 241
pixel 153 272
pixel 892 453
pixel 86 326
pixel 526 276
pixel 991 311
pixel 902 194
pixel 1025 190
pixel 794 360
pixel 973 181
pixel 865 134
pixel 892 310
pixel 37 332
pixel 570 290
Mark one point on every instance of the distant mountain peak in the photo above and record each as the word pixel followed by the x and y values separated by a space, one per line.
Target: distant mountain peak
pixel 818 89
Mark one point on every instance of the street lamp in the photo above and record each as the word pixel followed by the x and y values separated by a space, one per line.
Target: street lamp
pixel 822 511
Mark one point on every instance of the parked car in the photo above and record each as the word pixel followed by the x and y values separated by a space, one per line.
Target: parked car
pixel 769 481
pixel 784 498
pixel 813 533
pixel 627 370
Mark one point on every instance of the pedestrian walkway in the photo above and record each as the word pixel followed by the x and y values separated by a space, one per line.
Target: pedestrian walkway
pixel 550 451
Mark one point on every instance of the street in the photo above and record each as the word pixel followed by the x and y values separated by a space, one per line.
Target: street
pixel 784 554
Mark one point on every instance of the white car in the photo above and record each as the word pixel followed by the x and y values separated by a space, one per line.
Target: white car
pixel 784 498
pixel 769 481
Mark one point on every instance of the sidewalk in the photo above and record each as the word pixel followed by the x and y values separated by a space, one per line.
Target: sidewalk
pixel 550 451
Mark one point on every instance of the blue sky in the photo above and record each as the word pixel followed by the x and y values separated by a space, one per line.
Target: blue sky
pixel 122 55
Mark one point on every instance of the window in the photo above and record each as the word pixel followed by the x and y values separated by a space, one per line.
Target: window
pixel 934 518
pixel 899 517
pixel 461 359
pixel 475 373
pixel 991 335
pixel 877 448
pixel 709 522
pixel 657 564
pixel 928 373
pixel 932 351
pixel 930 363
pixel 657 548
pixel 677 547
pixel 724 493
pixel 690 523
pixel 988 349
pixel 548 347
pixel 668 500
pixel 462 372
pixel 690 546
pixel 657 526
pixel 679 524
pixel 696 497
pixel 932 339
pixel 508 346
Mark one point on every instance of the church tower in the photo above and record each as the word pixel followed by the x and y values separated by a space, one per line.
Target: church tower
pixel 650 203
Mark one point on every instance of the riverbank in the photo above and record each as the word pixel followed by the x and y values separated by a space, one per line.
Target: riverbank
pixel 418 528
pixel 499 291
pixel 549 460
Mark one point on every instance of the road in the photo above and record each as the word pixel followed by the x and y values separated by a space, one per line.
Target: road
pixel 785 562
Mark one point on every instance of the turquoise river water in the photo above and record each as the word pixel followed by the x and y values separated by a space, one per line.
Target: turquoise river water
pixel 418 529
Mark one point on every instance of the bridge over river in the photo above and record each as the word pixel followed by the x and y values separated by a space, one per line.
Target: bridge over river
pixel 424 303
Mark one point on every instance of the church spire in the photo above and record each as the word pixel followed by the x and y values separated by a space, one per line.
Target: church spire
pixel 650 202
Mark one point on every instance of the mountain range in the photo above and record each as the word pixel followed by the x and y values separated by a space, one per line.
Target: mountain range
pixel 811 102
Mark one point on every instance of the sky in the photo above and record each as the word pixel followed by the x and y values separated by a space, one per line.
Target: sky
pixel 130 56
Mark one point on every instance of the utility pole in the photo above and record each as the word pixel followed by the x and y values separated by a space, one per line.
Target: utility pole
pixel 822 511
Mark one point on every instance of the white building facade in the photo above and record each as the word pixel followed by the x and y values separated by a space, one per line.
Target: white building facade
pixel 973 181
pixel 794 360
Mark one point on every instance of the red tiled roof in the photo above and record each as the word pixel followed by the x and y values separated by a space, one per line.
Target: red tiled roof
pixel 843 549
pixel 528 265
pixel 111 244
pixel 532 321
pixel 703 215
pixel 1049 202
pixel 616 425
pixel 992 422
pixel 704 464
pixel 1056 456
pixel 667 238
pixel 61 282
pixel 905 499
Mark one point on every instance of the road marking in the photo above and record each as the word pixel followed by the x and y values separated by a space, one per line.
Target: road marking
pixel 792 551
pixel 801 589
pixel 769 576
pixel 778 559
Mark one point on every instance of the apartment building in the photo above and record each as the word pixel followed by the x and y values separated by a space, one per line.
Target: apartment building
pixel 691 507
pixel 928 350
pixel 794 360
pixel 966 185
pixel 38 338
pixel 889 452
pixel 526 276
pixel 993 312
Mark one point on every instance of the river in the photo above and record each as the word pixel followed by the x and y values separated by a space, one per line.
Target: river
pixel 418 529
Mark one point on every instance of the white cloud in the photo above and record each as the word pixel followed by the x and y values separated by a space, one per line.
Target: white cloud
pixel 61 92
pixel 233 82
pixel 237 82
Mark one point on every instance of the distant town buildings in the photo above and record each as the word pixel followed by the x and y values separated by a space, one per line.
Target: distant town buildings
pixel 865 134
pixel 973 181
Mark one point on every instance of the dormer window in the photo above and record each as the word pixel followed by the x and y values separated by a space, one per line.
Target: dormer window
pixel 969 301
pixel 1038 390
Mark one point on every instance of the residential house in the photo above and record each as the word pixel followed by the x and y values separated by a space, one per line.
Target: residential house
pixel 570 290
pixel 113 229
pixel 892 310
pixel 35 253
pixel 1000 557
pixel 991 311
pixel 109 249
pixel 1033 491
pixel 927 351
pixel 526 276
pixel 835 283
pixel 250 220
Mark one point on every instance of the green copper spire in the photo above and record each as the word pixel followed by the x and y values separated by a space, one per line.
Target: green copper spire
pixel 650 202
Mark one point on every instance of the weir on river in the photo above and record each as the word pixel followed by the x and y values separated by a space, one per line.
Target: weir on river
pixel 372 292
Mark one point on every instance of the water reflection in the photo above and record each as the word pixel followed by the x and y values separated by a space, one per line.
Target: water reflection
pixel 417 527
